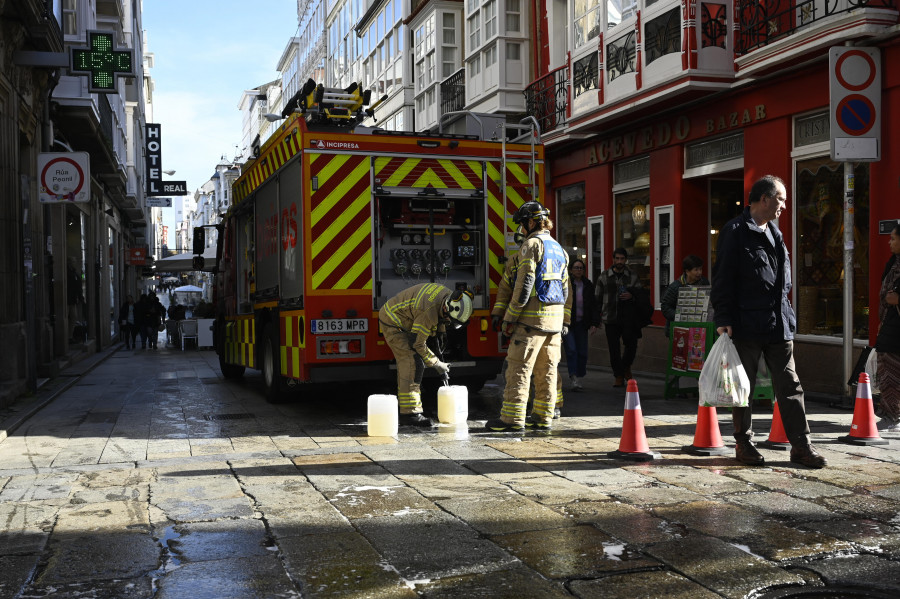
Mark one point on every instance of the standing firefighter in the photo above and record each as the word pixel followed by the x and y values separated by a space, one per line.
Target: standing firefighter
pixel 408 319
pixel 538 311
pixel 504 292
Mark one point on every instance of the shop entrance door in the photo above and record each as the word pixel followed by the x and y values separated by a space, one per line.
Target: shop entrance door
pixel 726 200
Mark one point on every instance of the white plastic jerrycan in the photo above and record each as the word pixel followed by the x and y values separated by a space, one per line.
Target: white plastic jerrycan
pixel 383 416
pixel 453 404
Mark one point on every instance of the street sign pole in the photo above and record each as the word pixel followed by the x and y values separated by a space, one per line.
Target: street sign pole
pixel 849 187
pixel 854 83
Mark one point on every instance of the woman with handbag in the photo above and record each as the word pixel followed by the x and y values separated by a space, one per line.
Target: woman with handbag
pixel 887 344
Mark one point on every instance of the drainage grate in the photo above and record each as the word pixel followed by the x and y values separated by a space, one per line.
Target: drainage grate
pixel 228 416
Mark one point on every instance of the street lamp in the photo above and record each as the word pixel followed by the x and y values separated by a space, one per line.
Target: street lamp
pixel 170 173
pixel 272 117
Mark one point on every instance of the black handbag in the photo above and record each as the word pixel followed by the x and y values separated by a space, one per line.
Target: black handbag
pixel 860 365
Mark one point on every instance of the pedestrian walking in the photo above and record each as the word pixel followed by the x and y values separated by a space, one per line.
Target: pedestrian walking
pixel 127 326
pixel 153 318
pixel 538 311
pixel 616 291
pixel 751 286
pixel 140 318
pixel 408 320
pixel 693 275
pixel 584 322
pixel 887 344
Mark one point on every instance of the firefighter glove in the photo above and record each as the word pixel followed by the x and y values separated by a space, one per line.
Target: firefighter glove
pixel 443 368
pixel 496 321
pixel 564 331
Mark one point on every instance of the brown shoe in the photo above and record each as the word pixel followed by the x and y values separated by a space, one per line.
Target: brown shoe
pixel 808 456
pixel 746 453
pixel 628 376
pixel 620 382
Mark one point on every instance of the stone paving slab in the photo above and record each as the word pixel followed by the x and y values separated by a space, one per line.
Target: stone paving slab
pixel 112 556
pixel 431 544
pixel 641 585
pixel 238 577
pixel 627 523
pixel 518 583
pixel 496 515
pixel 721 567
pixel 342 564
pixel 574 552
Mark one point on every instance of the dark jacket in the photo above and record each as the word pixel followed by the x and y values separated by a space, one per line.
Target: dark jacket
pixel 888 340
pixel 670 298
pixel 751 282
pixel 123 312
pixel 591 315
pixel 607 293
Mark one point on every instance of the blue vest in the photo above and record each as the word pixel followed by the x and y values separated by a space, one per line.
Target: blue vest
pixel 549 277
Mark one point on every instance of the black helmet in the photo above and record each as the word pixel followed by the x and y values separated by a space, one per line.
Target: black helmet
pixel 530 210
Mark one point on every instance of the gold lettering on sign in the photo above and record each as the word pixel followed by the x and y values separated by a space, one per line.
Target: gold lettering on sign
pixel 746 118
pixel 646 138
pixel 760 111
pixel 664 135
pixel 682 127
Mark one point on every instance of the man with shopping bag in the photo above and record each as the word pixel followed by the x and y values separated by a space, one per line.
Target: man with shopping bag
pixel 750 289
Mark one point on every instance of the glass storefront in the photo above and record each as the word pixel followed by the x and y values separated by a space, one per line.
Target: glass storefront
pixel 819 257
pixel 570 221
pixel 633 230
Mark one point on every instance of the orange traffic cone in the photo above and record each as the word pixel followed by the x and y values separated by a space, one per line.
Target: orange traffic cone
pixel 707 438
pixel 863 430
pixel 633 444
pixel 777 437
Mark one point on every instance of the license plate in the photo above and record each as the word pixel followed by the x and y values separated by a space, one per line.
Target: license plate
pixel 338 325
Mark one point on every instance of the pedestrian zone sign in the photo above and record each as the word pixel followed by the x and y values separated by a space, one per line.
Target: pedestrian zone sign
pixel 64 177
pixel 855 89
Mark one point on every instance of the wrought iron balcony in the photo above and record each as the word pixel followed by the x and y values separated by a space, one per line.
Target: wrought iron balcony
pixel 761 22
pixel 453 92
pixel 547 99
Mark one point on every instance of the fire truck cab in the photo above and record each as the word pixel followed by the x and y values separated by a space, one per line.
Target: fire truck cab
pixel 330 220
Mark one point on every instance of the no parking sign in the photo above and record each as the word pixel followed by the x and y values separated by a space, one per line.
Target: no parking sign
pixel 855 89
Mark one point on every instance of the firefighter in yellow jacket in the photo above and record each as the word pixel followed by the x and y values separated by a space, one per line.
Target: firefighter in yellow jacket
pixel 504 291
pixel 537 313
pixel 407 320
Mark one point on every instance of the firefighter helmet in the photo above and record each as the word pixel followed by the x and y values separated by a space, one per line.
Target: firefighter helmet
pixel 530 210
pixel 459 307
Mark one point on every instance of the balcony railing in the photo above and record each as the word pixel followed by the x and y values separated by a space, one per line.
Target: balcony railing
pixel 453 92
pixel 761 22
pixel 547 99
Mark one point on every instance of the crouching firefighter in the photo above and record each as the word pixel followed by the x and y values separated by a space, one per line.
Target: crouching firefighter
pixel 407 320
pixel 536 317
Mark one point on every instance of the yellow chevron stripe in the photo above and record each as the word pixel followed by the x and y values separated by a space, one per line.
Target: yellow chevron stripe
pixel 358 237
pixel 326 204
pixel 364 263
pixel 359 205
pixel 401 172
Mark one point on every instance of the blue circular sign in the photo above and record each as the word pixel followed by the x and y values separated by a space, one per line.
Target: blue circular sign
pixel 855 114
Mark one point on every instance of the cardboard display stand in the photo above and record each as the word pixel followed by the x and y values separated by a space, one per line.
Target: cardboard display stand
pixel 691 337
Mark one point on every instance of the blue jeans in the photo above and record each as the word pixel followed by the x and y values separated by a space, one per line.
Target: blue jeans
pixel 576 346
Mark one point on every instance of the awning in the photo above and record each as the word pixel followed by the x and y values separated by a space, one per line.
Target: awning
pixel 185 262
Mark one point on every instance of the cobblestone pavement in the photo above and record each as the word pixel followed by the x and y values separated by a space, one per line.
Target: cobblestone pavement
pixel 149 475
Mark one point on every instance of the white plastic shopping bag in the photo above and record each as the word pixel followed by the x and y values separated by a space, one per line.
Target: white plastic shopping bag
pixel 723 380
pixel 872 371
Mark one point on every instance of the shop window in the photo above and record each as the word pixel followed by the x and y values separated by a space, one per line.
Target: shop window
pixel 819 258
pixel 633 231
pixel 570 221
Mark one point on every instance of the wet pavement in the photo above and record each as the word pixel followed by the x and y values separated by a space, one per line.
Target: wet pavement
pixel 146 474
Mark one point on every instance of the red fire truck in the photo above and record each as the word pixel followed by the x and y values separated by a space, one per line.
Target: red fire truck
pixel 331 219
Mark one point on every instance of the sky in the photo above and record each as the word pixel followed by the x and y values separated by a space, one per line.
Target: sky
pixel 206 53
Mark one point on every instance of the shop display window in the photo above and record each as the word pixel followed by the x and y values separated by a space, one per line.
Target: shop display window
pixel 726 201
pixel 633 231
pixel 569 222
pixel 819 259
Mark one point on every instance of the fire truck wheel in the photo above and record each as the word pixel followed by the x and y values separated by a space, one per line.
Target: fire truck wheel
pixel 271 367
pixel 230 371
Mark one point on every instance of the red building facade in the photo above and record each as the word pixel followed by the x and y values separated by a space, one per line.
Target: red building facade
pixel 656 161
